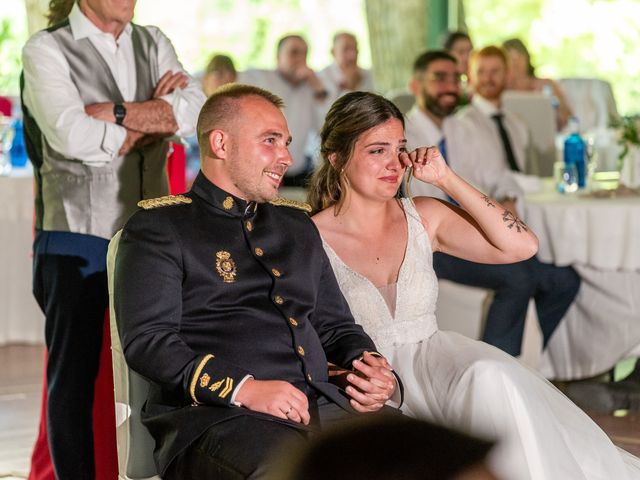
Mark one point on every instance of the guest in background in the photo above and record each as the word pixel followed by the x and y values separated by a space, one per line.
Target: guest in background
pixel 220 71
pixel 465 148
pixel 344 74
pixel 304 95
pixel 458 44
pixel 96 128
pixel 522 77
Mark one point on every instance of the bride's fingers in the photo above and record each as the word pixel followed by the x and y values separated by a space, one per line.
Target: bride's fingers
pixel 405 160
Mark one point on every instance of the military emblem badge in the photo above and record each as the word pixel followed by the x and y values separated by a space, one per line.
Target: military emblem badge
pixel 225 266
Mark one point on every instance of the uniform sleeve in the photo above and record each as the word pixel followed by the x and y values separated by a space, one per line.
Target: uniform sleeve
pixel 148 303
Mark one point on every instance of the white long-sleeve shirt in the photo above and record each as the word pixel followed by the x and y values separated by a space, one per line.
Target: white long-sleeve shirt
pixel 55 102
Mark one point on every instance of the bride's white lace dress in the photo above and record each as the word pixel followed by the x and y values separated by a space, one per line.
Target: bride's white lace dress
pixel 467 384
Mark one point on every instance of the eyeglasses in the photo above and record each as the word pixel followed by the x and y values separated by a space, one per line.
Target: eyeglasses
pixel 443 77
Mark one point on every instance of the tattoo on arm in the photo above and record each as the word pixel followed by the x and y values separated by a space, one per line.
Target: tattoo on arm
pixel 512 221
pixel 489 201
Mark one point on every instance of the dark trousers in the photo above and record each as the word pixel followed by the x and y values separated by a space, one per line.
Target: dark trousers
pixel 553 289
pixel 246 447
pixel 70 285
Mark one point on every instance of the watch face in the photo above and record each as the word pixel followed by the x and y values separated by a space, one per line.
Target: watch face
pixel 119 112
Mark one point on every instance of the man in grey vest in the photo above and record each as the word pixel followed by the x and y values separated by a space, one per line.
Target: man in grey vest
pixel 101 97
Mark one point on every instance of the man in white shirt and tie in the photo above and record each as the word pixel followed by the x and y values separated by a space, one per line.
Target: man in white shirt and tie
pixel 436 85
pixel 101 96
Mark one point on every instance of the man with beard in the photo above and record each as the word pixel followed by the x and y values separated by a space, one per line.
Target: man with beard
pixel 304 97
pixel 436 86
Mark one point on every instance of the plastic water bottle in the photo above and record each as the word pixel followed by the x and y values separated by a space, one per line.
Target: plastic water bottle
pixel 575 151
pixel 18 152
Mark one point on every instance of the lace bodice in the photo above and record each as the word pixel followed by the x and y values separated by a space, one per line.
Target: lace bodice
pixel 417 291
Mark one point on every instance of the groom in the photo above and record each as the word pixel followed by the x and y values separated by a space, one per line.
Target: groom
pixel 228 304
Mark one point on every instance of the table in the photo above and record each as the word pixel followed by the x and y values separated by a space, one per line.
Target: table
pixel 21 320
pixel 600 238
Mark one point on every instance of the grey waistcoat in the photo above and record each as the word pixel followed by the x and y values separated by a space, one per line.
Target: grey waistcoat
pixel 98 200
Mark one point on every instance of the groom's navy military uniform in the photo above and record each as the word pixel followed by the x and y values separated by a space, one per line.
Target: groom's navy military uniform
pixel 211 289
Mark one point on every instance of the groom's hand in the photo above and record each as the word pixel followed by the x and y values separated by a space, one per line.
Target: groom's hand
pixel 371 384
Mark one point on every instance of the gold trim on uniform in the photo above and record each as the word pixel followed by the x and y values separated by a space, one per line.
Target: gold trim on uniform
pixel 259 252
pixel 249 226
pixel 276 272
pixel 285 202
pixel 227 388
pixel 194 379
pixel 215 386
pixel 163 201
pixel 204 380
pixel 228 203
pixel 225 266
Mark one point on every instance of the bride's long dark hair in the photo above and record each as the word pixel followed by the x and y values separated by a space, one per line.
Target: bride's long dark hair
pixel 349 117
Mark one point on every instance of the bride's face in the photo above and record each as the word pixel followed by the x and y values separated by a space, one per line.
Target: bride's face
pixel 375 168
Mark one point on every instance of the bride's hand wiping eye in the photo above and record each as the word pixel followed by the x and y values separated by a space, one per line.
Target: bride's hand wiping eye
pixel 427 163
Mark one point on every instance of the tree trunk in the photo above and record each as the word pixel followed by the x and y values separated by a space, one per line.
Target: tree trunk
pixel 397 34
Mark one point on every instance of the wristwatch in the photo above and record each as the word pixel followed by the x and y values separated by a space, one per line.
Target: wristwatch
pixel 119 112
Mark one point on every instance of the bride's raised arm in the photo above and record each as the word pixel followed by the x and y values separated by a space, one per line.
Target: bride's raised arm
pixel 482 230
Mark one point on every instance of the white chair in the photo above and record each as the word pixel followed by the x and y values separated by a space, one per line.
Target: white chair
pixel 403 99
pixel 535 109
pixel 135 444
pixel 591 100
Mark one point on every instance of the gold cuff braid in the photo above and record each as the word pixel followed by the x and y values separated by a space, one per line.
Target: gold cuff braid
pixel 194 379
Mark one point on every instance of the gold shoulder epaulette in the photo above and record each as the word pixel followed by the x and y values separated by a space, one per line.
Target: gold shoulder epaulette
pixel 163 201
pixel 285 202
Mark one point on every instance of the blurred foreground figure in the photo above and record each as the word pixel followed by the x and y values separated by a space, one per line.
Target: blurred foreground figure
pixel 387 448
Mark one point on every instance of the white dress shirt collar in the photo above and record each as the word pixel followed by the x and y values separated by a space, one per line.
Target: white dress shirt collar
pixel 484 105
pixel 82 27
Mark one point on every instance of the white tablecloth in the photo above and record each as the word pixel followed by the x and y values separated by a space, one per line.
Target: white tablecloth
pixel 602 233
pixel 601 239
pixel 21 320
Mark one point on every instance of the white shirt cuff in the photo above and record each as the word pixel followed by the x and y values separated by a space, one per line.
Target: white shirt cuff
pixel 237 389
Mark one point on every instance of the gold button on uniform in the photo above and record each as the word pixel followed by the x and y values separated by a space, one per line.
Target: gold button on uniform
pixel 259 252
pixel 293 322
pixel 249 226
pixel 300 351
pixel 278 299
pixel 276 272
pixel 309 377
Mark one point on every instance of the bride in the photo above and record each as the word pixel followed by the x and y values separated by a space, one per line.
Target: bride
pixel 380 247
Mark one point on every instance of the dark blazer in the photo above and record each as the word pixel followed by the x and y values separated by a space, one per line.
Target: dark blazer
pixel 212 289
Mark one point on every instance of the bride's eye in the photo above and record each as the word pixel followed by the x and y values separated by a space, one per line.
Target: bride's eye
pixel 377 151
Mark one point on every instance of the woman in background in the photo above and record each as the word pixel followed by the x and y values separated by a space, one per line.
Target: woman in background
pixel 522 77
